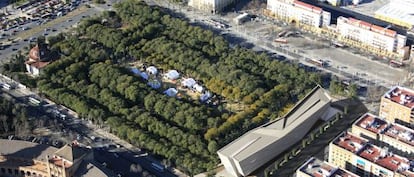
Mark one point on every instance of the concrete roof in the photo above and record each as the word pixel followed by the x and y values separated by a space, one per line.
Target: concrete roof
pixel 254 145
pixel 26 150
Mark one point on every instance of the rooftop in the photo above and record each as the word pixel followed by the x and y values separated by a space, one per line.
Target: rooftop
pixel 401 95
pixel 25 150
pixel 386 159
pixel 372 123
pixel 398 10
pixel 350 142
pixel 251 149
pixel 380 156
pixel 317 168
pixel 368 26
pixel 401 133
pixel 307 6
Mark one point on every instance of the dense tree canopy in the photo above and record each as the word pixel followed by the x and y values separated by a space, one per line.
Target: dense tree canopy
pixel 91 78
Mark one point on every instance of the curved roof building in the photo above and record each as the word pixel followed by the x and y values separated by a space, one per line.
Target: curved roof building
pixel 258 146
pixel 22 158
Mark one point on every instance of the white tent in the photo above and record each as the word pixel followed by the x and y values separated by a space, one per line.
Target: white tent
pixel 172 75
pixel 189 82
pixel 155 84
pixel 171 92
pixel 205 96
pixel 152 70
pixel 198 88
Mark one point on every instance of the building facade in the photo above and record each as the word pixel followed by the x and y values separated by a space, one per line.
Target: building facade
pixel 397 106
pixel 212 6
pixel 378 38
pixel 364 159
pixel 299 12
pixel 317 168
pixel 21 158
pixel 380 132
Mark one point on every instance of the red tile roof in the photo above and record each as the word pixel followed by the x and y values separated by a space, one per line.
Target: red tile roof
pixel 350 142
pixel 306 6
pixel 372 123
pixel 371 27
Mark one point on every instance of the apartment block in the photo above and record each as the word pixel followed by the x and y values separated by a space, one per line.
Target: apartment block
pixel 364 159
pixel 385 134
pixel 212 6
pixel 397 106
pixel 299 12
pixel 379 38
pixel 317 168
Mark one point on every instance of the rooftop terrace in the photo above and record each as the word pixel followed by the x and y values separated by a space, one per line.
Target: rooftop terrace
pixel 401 133
pixel 401 95
pixel 317 168
pixel 380 156
pixel 372 123
pixel 350 142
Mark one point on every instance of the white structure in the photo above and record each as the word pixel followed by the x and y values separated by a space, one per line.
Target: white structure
pixel 198 88
pixel 372 35
pixel 240 18
pixel 258 146
pixel 189 82
pixel 172 75
pixel 172 92
pixel 152 70
pixel 299 12
pixel 212 6
pixel 399 12
pixel 204 97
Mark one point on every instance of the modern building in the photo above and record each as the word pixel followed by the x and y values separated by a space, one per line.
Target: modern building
pixel 39 57
pixel 382 133
pixel 379 39
pixel 317 168
pixel 398 12
pixel 22 158
pixel 364 159
pixel 294 11
pixel 397 106
pixel 212 6
pixel 262 144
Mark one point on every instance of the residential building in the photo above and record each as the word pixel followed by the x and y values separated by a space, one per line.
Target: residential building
pixel 382 133
pixel 294 11
pixel 260 145
pixel 378 39
pixel 39 57
pixel 397 12
pixel 317 168
pixel 364 159
pixel 212 6
pixel 397 106
pixel 22 158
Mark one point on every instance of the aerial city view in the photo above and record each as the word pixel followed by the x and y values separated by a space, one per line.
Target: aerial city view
pixel 203 88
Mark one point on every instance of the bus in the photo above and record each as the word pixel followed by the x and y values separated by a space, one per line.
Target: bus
pixel 157 167
pixel 316 62
pixel 34 101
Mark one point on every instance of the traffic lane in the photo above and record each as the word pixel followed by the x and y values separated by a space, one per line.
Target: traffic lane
pixel 117 163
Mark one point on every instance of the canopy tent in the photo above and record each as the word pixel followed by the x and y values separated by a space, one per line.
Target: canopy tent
pixel 152 70
pixel 189 82
pixel 198 88
pixel 172 75
pixel 172 92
